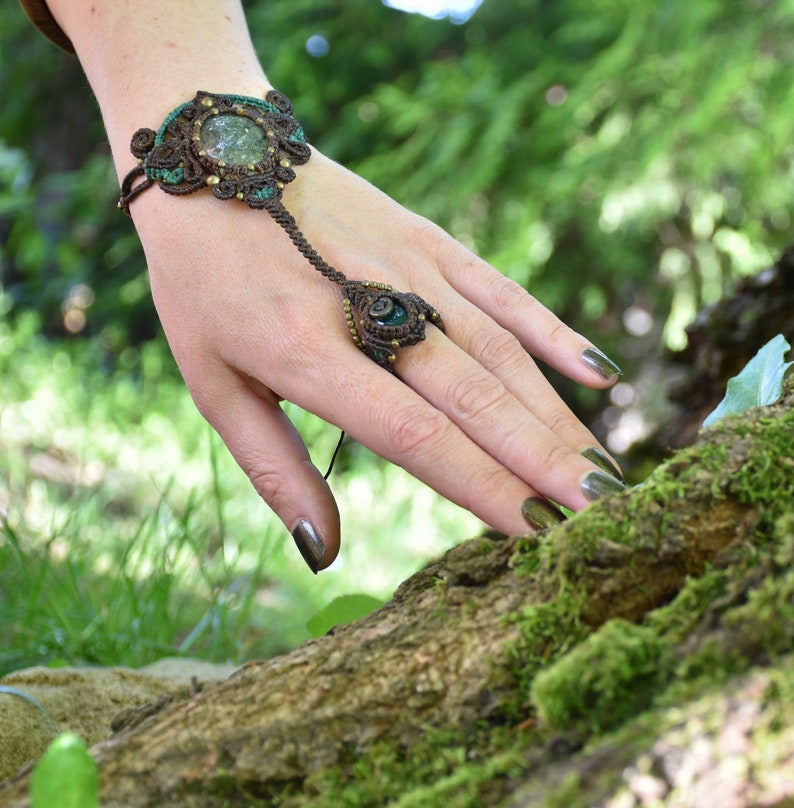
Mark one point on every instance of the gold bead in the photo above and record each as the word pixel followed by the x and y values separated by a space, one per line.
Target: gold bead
pixel 395 343
pixel 392 358
pixel 202 153
pixel 260 121
pixel 213 179
pixel 221 164
pixel 207 102
pixel 250 166
pixel 281 185
pixel 270 133
pixel 271 149
pixel 240 195
pixel 284 163
pixel 422 317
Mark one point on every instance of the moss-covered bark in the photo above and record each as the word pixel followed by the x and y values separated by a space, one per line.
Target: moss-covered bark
pixel 581 667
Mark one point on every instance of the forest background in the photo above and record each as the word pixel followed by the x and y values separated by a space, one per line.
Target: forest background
pixel 627 161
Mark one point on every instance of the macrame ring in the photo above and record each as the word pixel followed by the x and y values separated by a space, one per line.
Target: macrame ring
pixel 382 320
pixel 244 148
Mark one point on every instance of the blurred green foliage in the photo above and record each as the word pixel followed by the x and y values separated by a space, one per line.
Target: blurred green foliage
pixel 613 156
pixel 127 532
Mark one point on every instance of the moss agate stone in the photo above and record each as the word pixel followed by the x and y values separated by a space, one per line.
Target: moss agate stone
pixel 234 139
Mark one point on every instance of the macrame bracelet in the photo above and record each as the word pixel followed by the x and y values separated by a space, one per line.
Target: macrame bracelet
pixel 244 149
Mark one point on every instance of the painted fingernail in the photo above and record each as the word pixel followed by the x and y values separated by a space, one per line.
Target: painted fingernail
pixel 540 513
pixel 599 484
pixel 600 363
pixel 595 455
pixel 310 544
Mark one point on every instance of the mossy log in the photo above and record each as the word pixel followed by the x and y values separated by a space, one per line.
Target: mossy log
pixel 639 652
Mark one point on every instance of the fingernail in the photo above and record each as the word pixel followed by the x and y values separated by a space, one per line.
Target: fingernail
pixel 310 544
pixel 600 363
pixel 599 484
pixel 595 455
pixel 540 513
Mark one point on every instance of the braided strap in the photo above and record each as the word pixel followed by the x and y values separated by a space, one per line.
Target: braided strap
pixel 244 149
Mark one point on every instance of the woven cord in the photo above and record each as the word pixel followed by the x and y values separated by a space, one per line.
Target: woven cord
pixel 287 221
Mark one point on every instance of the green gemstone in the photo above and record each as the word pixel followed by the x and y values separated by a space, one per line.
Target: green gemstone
pixel 386 311
pixel 234 139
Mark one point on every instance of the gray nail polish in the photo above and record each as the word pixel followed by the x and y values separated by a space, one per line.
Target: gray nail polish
pixel 310 544
pixel 596 456
pixel 540 514
pixel 599 484
pixel 600 363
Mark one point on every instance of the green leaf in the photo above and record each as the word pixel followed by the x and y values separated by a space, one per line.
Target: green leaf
pixel 65 776
pixel 344 609
pixel 759 384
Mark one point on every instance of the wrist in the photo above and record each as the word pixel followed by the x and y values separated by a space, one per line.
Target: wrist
pixel 143 59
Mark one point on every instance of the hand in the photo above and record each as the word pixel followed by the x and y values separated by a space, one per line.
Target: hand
pixel 250 323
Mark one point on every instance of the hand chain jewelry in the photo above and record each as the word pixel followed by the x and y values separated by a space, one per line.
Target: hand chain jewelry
pixel 244 149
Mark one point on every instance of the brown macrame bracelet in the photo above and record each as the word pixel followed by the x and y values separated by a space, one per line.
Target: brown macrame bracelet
pixel 244 149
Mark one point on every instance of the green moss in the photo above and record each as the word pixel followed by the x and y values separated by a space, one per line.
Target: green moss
pixel 611 676
pixel 444 769
pixel 596 680
pixel 614 683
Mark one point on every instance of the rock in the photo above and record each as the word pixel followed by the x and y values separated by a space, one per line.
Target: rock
pixel 88 701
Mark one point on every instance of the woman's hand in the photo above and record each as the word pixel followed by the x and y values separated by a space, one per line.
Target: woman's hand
pixel 250 323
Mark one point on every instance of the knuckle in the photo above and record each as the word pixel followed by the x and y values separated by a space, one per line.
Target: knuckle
pixel 269 482
pixel 562 423
pixel 499 350
pixel 506 294
pixel 414 429
pixel 485 483
pixel 553 457
pixel 557 331
pixel 476 394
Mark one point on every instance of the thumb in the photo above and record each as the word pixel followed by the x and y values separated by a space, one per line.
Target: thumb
pixel 268 448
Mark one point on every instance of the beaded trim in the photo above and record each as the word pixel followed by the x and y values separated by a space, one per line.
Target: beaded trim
pixel 245 149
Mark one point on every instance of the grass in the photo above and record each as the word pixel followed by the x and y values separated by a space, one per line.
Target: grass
pixel 127 532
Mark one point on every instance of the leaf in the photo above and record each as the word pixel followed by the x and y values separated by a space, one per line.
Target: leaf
pixel 66 776
pixel 341 610
pixel 759 384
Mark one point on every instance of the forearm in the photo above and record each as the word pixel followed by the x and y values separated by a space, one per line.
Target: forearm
pixel 144 57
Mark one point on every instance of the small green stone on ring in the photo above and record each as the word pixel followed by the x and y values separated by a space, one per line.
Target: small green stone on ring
pixel 386 311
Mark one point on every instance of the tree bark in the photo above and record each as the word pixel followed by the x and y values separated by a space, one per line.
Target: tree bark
pixel 446 694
